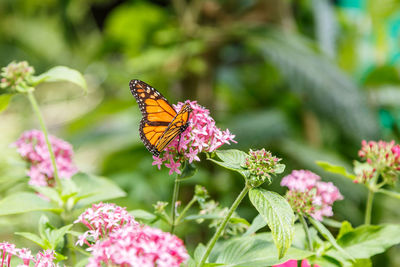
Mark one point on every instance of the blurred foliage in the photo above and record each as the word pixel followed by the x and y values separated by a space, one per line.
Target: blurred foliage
pixel 306 79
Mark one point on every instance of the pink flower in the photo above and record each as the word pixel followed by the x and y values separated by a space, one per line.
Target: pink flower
pixel 42 259
pixel 382 158
pixel 293 263
pixel 308 195
pixel 139 247
pixel 101 219
pixel 33 148
pixel 202 135
pixel 45 259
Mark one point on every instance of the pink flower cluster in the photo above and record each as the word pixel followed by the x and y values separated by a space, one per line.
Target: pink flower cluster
pixel 293 263
pixel 202 135
pixel 101 219
pixel 139 247
pixel 115 238
pixel 308 195
pixel 33 148
pixel 382 158
pixel 15 75
pixel 42 259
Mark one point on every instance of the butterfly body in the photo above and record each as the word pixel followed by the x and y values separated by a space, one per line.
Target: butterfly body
pixel 160 124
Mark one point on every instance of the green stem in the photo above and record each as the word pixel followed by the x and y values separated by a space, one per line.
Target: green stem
pixel 368 209
pixel 185 210
pixel 39 115
pixel 308 236
pixel 173 203
pixel 223 224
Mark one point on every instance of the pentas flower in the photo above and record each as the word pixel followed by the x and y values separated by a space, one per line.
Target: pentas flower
pixel 16 75
pixel 137 246
pixel 381 158
pixel 42 259
pixel 33 148
pixel 307 195
pixel 261 164
pixel 202 135
pixel 101 219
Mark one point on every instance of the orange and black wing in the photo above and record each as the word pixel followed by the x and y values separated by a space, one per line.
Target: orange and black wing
pixel 158 117
pixel 176 127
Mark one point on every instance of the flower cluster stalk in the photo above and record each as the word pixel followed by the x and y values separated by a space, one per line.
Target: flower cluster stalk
pixel 39 115
pixel 221 227
pixel 173 203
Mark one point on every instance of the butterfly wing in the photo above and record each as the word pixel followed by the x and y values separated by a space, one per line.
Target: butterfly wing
pixel 176 127
pixel 160 123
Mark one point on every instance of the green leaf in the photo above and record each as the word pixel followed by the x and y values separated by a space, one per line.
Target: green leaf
pixel 25 202
pixel 345 228
pixel 61 74
pixel 279 168
pixel 328 236
pixel 56 237
pixel 32 237
pixel 43 226
pixel 335 169
pixel 4 101
pixel 189 169
pixel 253 251
pixel 93 189
pixel 279 216
pixel 368 240
pixel 48 192
pixel 232 159
pixel 142 214
pixel 199 252
pixel 256 225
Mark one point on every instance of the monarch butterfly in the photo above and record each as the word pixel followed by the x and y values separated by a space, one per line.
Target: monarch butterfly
pixel 160 124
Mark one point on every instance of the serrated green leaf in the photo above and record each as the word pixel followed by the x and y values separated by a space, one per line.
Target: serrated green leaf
pixel 256 225
pixel 368 240
pixel 25 202
pixel 278 214
pixel 335 169
pixel 142 214
pixel 252 251
pixel 4 101
pixel 32 237
pixel 329 237
pixel 62 74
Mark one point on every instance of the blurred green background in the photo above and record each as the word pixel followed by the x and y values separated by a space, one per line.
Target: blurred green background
pixel 306 79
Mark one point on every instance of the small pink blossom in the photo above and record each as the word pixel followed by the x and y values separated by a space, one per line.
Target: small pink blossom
pixel 382 158
pixel 45 259
pixel 101 219
pixel 33 148
pixel 202 135
pixel 42 259
pixel 308 195
pixel 293 263
pixel 139 247
pixel 261 164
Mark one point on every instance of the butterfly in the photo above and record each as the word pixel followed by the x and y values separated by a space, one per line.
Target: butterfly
pixel 160 124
